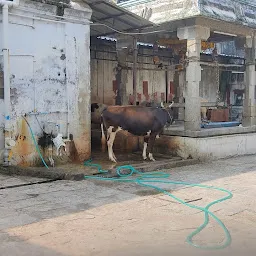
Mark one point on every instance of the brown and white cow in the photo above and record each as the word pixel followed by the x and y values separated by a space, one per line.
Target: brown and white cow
pixel 140 121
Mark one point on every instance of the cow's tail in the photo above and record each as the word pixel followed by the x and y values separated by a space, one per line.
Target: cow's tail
pixel 103 136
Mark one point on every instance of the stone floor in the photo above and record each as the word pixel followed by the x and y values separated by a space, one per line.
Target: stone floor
pixel 74 218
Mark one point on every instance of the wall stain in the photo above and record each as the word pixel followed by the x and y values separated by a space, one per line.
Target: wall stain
pixel 23 147
pixel 14 96
pixel 71 150
pixel 55 80
pixel 63 56
pixel 45 140
pixel 83 146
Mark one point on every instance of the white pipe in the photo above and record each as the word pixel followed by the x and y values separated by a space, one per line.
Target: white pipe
pixel 67 90
pixel 7 98
pixel 6 62
pixel 34 84
pixel 68 113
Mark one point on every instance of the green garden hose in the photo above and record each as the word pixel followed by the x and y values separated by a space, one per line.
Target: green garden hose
pixel 146 180
pixel 35 143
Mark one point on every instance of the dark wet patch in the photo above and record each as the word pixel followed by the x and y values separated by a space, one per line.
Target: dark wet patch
pixel 83 206
pixel 33 195
pixel 149 192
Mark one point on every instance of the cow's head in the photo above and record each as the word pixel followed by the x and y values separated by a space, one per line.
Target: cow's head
pixel 94 106
pixel 170 113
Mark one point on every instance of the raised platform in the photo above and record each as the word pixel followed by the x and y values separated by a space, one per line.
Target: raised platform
pixel 178 130
pixel 207 144
pixel 208 148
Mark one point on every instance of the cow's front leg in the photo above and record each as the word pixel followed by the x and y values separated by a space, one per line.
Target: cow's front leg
pixel 144 154
pixel 150 156
pixel 151 144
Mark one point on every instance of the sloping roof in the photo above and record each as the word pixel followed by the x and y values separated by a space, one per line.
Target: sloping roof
pixel 111 15
pixel 242 12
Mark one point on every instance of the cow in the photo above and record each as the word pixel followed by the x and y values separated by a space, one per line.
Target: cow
pixel 148 122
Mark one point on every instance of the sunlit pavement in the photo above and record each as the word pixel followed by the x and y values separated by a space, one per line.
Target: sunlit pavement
pixel 106 218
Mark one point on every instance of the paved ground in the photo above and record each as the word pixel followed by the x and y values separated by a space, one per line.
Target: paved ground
pixel 71 218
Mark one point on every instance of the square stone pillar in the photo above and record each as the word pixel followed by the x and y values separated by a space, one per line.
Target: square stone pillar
pixel 180 94
pixel 249 111
pixel 193 35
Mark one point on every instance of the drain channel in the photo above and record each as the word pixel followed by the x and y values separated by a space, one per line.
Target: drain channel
pixel 29 184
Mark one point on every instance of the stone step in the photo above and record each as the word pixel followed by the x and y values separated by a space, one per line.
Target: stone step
pixel 77 172
pixel 155 166
pixel 159 155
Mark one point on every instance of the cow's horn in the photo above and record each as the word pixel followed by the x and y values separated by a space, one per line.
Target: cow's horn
pixel 171 105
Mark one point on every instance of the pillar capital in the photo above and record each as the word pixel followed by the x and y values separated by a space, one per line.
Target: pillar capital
pixel 250 41
pixel 193 32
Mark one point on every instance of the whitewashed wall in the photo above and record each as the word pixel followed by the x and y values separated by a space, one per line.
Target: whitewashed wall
pixel 49 64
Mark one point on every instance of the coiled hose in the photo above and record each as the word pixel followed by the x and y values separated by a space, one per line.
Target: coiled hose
pixel 147 180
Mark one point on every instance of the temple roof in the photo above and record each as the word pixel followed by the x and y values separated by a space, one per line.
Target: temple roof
pixel 241 12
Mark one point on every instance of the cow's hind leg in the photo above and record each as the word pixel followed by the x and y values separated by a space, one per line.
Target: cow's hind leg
pixel 111 138
pixel 111 152
pixel 151 144
pixel 144 154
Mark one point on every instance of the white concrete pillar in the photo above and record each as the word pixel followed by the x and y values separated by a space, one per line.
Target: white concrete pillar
pixel 77 57
pixel 249 111
pixel 193 35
